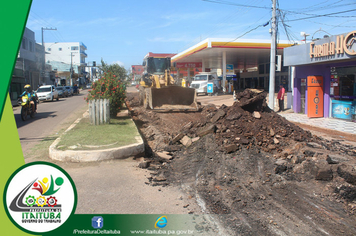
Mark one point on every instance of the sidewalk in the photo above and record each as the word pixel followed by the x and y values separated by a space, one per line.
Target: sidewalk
pixel 326 123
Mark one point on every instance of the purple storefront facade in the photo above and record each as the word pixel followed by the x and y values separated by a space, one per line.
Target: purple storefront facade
pixel 333 58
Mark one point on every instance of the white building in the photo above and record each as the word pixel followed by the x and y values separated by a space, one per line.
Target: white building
pixel 61 56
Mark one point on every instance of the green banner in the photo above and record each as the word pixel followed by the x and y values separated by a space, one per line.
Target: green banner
pixel 13 15
pixel 127 224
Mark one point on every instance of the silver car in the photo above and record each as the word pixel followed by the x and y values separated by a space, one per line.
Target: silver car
pixel 69 90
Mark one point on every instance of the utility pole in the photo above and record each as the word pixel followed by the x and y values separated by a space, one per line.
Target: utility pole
pixel 44 52
pixel 71 69
pixel 272 71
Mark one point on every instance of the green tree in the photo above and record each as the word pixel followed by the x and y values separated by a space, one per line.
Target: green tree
pixel 115 69
pixel 111 85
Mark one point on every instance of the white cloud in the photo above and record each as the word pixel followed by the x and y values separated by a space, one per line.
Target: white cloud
pixel 118 62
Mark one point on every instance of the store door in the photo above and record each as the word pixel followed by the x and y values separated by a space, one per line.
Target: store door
pixel 303 86
pixel 315 96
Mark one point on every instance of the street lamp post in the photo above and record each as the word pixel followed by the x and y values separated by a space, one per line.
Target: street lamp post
pixel 71 68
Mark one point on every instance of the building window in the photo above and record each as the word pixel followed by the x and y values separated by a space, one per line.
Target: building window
pixel 60 49
pixel 74 48
pixel 24 43
pixel 49 49
pixel 30 44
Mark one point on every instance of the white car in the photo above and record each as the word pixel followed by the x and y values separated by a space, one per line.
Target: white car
pixel 47 93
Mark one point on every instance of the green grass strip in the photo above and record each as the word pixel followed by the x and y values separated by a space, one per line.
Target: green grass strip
pixel 85 136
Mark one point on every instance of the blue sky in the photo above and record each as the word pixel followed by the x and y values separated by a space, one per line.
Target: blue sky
pixel 125 31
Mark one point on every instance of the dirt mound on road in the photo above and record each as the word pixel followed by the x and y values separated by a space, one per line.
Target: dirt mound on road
pixel 249 122
pixel 260 174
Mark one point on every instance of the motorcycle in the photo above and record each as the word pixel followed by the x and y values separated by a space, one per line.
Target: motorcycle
pixel 26 107
pixel 75 90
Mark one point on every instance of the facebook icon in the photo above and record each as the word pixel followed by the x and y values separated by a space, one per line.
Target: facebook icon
pixel 97 222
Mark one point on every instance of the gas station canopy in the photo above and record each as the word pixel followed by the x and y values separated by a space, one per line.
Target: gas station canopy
pixel 242 53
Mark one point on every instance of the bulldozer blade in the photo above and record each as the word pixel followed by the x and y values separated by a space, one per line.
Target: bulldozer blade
pixel 172 98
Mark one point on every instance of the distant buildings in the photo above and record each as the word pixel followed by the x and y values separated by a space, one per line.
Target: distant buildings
pixel 30 67
pixel 136 71
pixel 64 56
pixel 49 64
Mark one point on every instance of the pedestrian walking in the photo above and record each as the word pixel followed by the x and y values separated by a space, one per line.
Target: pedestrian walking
pixel 280 97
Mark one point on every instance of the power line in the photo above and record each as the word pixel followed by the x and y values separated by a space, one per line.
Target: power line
pixel 235 4
pixel 328 15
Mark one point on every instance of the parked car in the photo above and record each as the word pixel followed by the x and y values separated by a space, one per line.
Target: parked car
pixel 47 92
pixel 62 92
pixel 88 86
pixel 69 90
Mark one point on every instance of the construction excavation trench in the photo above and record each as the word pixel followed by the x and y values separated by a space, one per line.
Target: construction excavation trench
pixel 256 172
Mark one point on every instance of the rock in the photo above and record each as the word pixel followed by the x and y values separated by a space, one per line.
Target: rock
pixel 159 179
pixel 280 162
pixel 231 148
pixel 242 140
pixel 297 159
pixel 177 138
pixel 324 173
pixel 172 148
pixel 144 164
pixel 206 130
pixel 195 139
pixel 347 172
pixel 280 168
pixel 256 114
pixel 220 113
pixel 271 132
pixel 271 147
pixel 309 153
pixel 314 145
pixel 164 155
pixel 233 116
pixel 186 141
pixel 275 141
pixel 335 159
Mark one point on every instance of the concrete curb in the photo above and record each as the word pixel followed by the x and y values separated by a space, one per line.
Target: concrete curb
pixel 95 155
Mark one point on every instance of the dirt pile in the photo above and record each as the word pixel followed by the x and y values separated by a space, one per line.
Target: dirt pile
pixel 260 174
pixel 249 122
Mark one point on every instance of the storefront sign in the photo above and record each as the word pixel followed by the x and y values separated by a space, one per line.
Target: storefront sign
pixel 189 64
pixel 341 46
pixel 230 68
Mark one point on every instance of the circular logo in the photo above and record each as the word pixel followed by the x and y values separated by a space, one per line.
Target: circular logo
pixel 161 222
pixel 316 100
pixel 349 42
pixel 39 197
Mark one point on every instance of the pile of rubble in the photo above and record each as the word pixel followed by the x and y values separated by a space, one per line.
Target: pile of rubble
pixel 248 123
pixel 248 162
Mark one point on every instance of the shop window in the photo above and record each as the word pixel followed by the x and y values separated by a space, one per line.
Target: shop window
pixel 30 44
pixel 261 82
pixel 24 43
pixel 347 84
pixel 261 69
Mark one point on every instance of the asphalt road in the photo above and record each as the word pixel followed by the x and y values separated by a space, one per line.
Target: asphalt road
pixel 49 119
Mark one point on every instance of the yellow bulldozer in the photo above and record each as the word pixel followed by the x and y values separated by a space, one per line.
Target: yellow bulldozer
pixel 159 91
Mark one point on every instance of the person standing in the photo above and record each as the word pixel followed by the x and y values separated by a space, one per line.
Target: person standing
pixel 280 97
